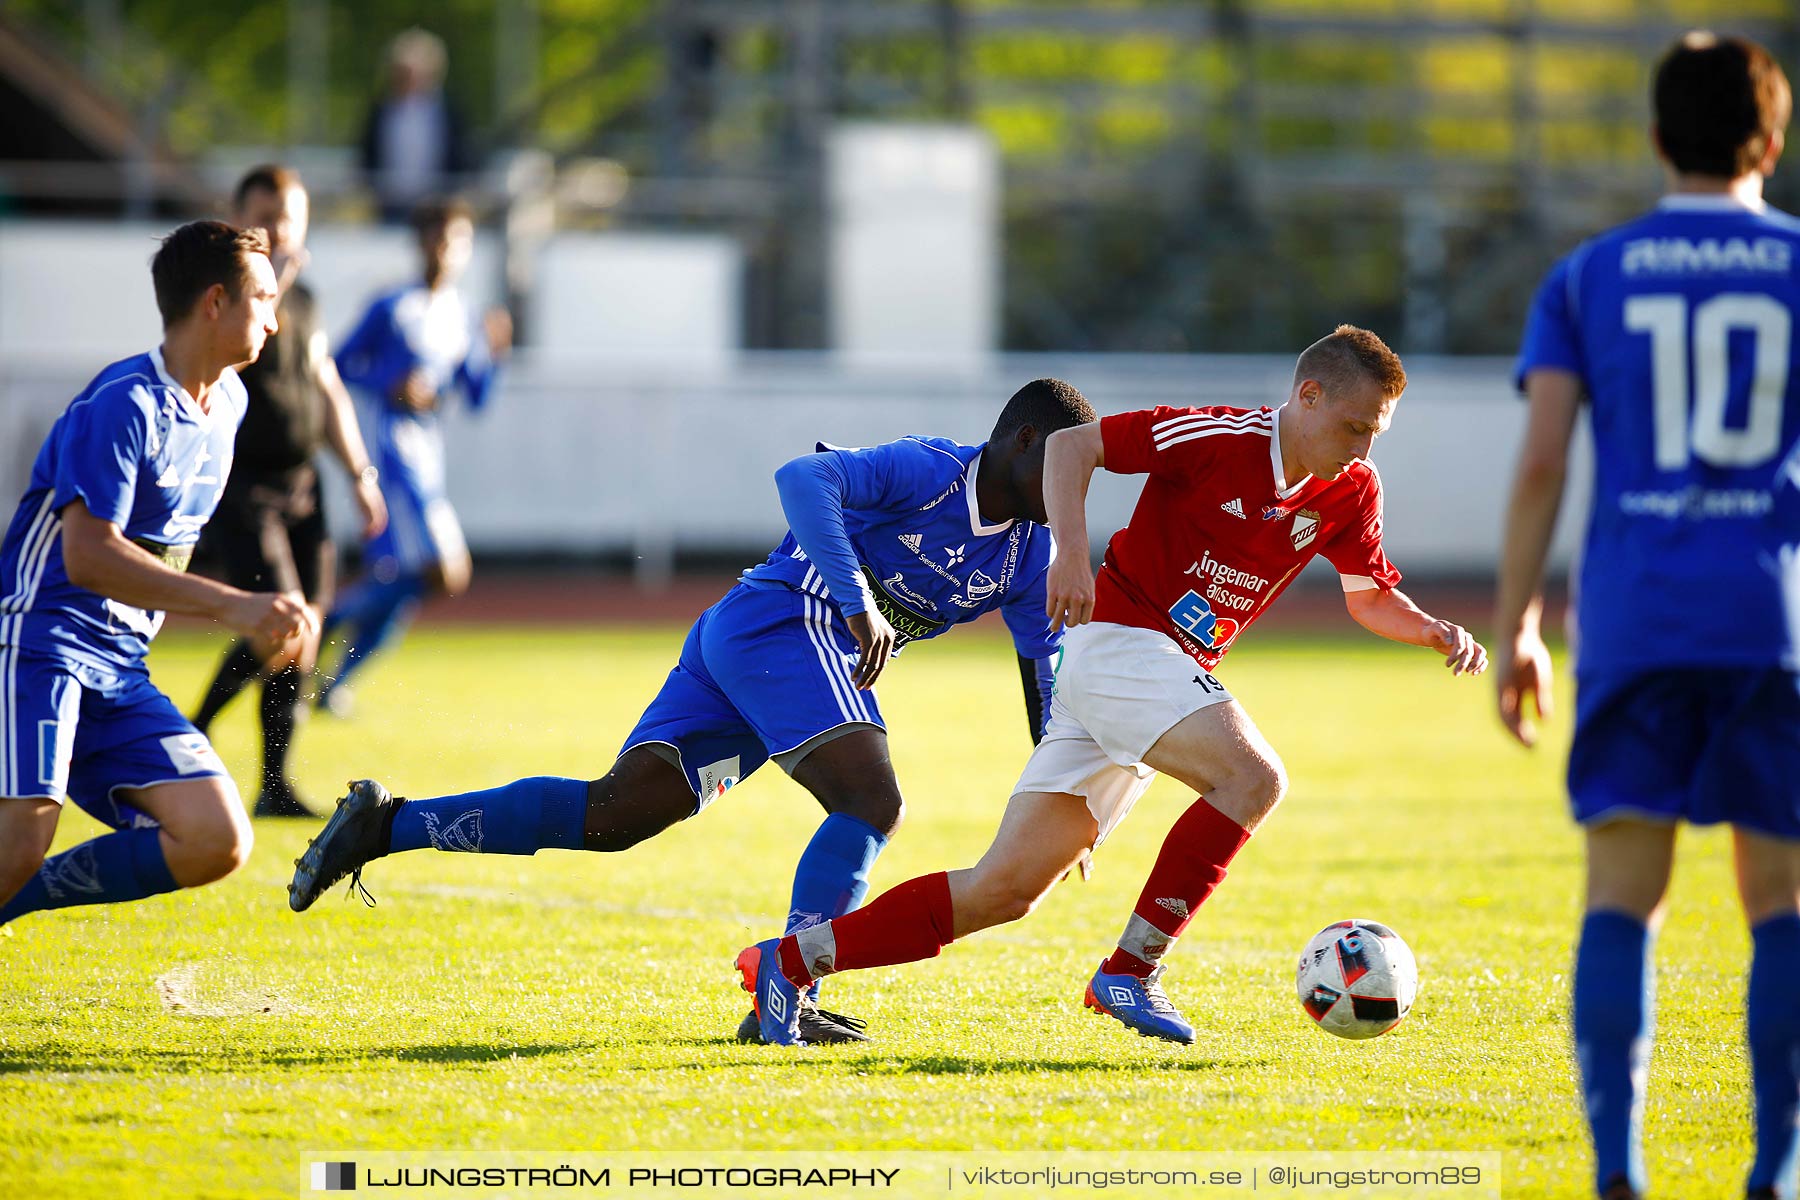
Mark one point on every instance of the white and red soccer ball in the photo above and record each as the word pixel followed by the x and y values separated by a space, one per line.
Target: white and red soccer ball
pixel 1357 979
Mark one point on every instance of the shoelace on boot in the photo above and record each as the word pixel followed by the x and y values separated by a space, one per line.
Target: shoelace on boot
pixel 1160 1004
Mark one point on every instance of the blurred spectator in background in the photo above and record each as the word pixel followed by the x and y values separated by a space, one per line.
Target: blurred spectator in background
pixel 269 533
pixel 413 145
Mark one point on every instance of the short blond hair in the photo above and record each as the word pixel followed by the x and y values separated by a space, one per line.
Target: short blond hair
pixel 1349 354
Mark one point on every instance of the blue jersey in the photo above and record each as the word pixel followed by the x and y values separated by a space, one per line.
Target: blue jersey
pixel 1681 327
pixel 137 451
pixel 415 328
pixel 919 551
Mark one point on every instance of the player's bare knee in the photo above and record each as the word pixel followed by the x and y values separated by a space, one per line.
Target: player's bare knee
pixel 451 576
pixel 1760 906
pixel 1275 782
pixel 1641 898
pixel 1018 900
pixel 212 847
pixel 1261 785
pixel 26 831
pixel 225 847
pixel 987 904
pixel 999 897
pixel 636 800
pixel 19 861
pixel 882 811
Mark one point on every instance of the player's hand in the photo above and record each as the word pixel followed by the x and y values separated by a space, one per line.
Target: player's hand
pixel 416 392
pixel 1069 592
pixel 876 637
pixel 1523 672
pixel 272 618
pixel 373 505
pixel 497 324
pixel 1462 653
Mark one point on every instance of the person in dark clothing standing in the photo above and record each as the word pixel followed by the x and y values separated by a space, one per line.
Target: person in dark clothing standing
pixel 414 145
pixel 269 534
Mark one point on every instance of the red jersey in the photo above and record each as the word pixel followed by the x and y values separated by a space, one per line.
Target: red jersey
pixel 1217 533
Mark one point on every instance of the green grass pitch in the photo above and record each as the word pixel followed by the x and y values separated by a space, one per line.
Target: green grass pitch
pixel 195 1044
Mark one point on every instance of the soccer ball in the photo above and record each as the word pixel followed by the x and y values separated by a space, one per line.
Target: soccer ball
pixel 1357 979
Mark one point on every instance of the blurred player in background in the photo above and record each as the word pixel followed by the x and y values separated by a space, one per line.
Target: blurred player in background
pixel 97 549
pixel 1238 501
pixel 270 533
pixel 890 544
pixel 1677 329
pixel 411 347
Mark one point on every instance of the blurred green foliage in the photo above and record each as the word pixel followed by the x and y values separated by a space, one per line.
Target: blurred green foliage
pixel 227 68
pixel 1231 178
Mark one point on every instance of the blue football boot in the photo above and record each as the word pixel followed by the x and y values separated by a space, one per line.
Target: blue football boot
pixel 1140 1003
pixel 777 1001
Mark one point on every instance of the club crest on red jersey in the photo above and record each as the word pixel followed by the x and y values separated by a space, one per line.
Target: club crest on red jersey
pixel 1305 528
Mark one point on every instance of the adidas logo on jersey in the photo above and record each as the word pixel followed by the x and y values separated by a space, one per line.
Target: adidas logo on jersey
pixel 1235 507
pixel 912 541
pixel 170 478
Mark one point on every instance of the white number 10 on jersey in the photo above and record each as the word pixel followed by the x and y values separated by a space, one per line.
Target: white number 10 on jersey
pixel 1704 435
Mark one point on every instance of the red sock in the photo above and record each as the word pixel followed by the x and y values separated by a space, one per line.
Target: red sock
pixel 1191 864
pixel 904 924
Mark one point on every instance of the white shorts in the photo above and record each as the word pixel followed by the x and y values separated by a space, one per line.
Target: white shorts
pixel 1118 689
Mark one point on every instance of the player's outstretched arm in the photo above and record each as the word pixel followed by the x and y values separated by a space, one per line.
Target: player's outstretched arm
pixel 1522 662
pixel 98 557
pixel 1392 614
pixel 1071 456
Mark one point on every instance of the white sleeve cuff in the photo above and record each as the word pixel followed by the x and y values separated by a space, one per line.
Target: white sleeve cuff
pixel 1358 583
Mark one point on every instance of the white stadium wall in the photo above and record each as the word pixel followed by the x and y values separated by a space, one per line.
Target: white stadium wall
pixel 644 296
pixel 616 454
pixel 915 241
pixel 80 291
pixel 634 423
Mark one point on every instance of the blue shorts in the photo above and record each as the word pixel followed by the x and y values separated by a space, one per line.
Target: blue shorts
pixel 763 673
pixel 68 731
pixel 420 533
pixel 422 529
pixel 1697 744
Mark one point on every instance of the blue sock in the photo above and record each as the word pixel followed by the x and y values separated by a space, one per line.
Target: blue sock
pixel 1615 996
pixel 374 614
pixel 351 607
pixel 541 813
pixel 1773 1019
pixel 833 875
pixel 110 869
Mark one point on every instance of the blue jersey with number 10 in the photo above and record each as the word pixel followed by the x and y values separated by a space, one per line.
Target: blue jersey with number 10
pixel 1681 325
